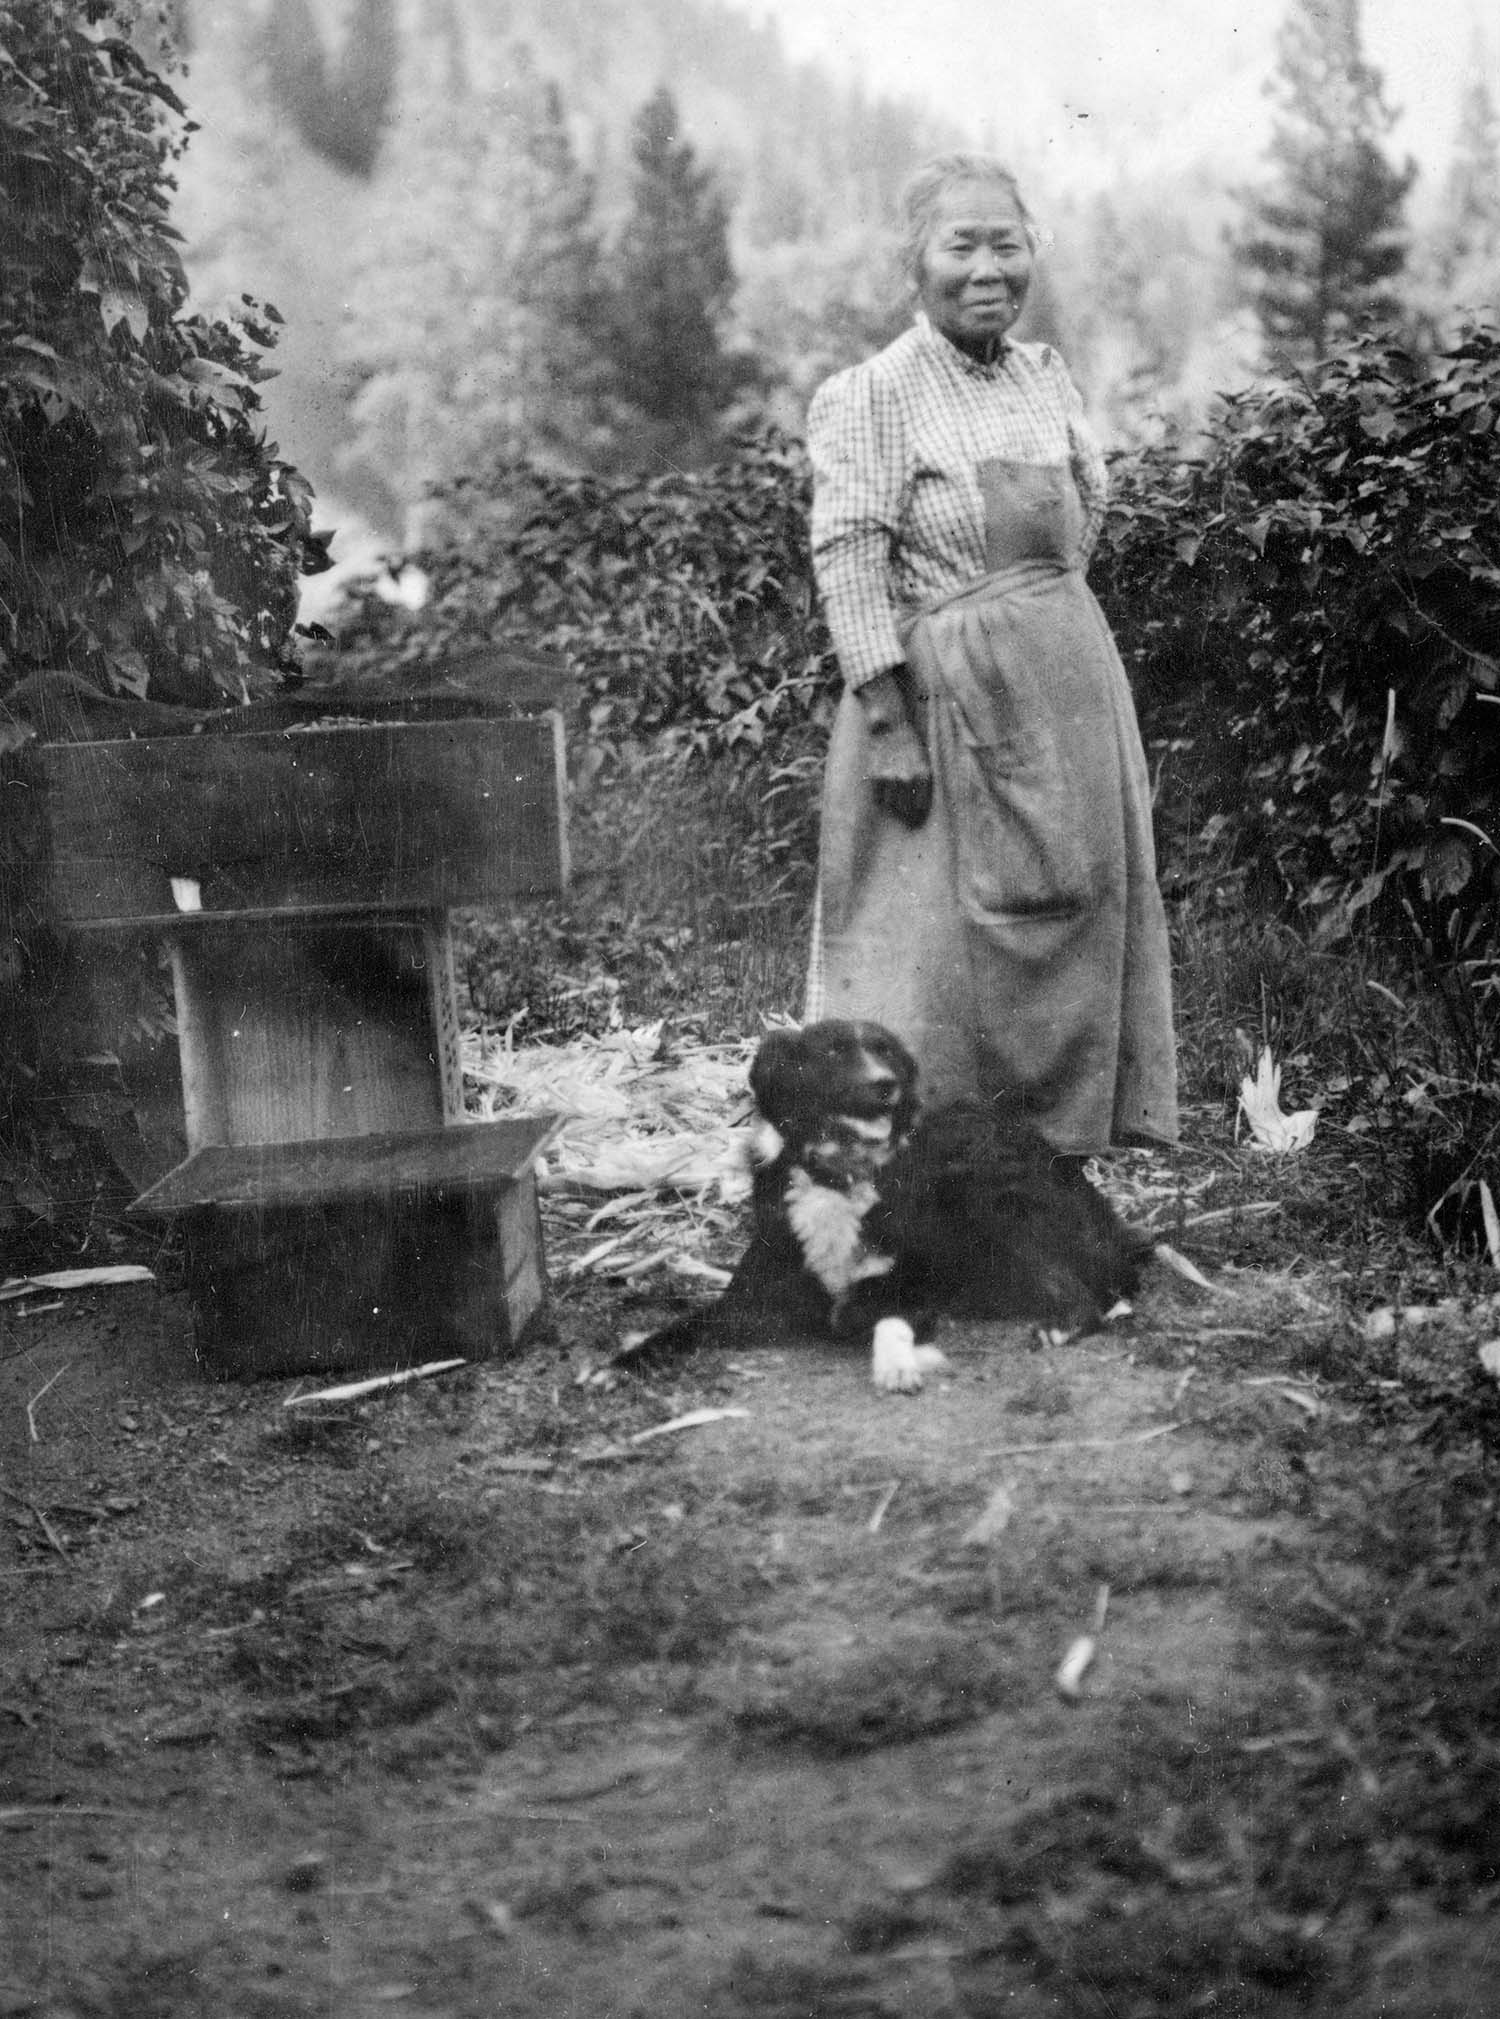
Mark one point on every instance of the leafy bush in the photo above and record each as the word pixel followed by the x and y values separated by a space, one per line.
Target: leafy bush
pixel 1311 610
pixel 684 602
pixel 150 539
pixel 1310 607
pixel 690 900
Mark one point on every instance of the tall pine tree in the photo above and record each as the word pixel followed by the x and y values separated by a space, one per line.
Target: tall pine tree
pixel 339 106
pixel 558 272
pixel 1470 232
pixel 541 322
pixel 673 282
pixel 1325 240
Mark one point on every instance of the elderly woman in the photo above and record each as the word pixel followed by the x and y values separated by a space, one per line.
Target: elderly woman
pixel 987 883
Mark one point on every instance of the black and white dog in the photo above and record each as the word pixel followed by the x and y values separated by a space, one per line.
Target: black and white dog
pixel 872 1214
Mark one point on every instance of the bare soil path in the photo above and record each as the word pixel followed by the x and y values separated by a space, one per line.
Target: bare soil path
pixel 456 1701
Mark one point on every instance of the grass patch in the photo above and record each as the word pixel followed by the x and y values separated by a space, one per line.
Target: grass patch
pixel 691 899
pixel 1244 1854
pixel 1052 1848
pixel 1203 1957
pixel 1200 1812
pixel 755 1987
pixel 1040 1392
pixel 329 1437
pixel 913 1685
pixel 457 1619
pixel 1400 1619
pixel 663 1599
pixel 1048 1577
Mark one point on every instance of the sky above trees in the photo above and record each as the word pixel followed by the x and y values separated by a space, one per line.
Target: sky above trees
pixel 1073 88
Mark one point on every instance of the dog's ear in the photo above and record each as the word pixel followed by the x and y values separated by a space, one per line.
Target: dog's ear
pixel 893 1055
pixel 778 1076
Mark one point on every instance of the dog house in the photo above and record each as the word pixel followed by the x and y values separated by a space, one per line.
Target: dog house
pixel 338 1209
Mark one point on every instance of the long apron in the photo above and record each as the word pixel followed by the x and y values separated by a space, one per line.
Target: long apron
pixel 1015 940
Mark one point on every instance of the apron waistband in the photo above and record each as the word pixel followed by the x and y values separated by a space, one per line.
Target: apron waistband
pixel 1002 582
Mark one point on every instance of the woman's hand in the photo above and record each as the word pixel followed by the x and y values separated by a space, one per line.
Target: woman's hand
pixel 897 765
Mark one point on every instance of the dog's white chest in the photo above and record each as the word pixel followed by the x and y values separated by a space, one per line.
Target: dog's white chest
pixel 828 1225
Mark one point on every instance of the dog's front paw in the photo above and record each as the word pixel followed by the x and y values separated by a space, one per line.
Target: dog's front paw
pixel 900 1364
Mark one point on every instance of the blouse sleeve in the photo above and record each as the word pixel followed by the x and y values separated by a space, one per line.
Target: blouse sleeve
pixel 854 441
pixel 1090 472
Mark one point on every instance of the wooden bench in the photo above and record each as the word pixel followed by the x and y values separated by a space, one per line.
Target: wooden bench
pixel 338 1208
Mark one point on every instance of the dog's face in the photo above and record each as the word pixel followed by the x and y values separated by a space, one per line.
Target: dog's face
pixel 838 1097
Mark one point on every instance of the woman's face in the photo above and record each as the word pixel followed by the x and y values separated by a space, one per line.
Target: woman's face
pixel 976 264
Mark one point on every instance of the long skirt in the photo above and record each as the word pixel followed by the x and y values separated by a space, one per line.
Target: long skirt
pixel 1015 940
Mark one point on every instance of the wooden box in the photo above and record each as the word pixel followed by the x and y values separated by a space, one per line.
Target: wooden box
pixel 362 1251
pixel 338 1209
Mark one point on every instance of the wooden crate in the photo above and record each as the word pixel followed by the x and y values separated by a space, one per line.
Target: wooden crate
pixel 338 1209
pixel 359 1252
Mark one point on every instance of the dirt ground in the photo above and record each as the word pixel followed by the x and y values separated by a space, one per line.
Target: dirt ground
pixel 457 1700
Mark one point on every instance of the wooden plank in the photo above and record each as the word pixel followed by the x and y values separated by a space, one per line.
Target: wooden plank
pixel 477 680
pixel 406 817
pixel 205 1092
pixel 293 1030
pixel 468 680
pixel 444 1032
pixel 523 1257
pixel 471 1156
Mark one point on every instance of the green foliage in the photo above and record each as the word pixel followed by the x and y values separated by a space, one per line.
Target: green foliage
pixel 1312 610
pixel 689 900
pixel 150 540
pixel 683 602
pixel 1325 240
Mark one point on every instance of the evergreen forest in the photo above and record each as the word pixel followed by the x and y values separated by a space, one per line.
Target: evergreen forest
pixel 606 236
